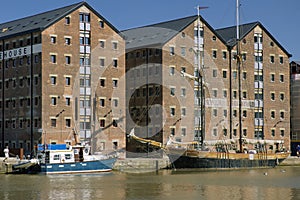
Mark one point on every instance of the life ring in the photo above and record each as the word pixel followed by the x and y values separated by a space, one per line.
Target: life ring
pixel 86 150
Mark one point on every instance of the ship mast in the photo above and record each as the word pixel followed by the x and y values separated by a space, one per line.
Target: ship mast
pixel 200 90
pixel 238 55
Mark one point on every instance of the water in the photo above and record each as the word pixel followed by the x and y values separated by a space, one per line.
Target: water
pixel 274 184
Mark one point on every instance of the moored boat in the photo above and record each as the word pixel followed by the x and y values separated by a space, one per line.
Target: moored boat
pixel 190 157
pixel 63 159
pixel 24 166
pixel 216 154
pixel 225 160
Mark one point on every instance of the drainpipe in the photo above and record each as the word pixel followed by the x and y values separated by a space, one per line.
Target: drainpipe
pixel 3 93
pixel 31 97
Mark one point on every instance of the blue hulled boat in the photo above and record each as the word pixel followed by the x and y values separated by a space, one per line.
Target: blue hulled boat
pixel 64 159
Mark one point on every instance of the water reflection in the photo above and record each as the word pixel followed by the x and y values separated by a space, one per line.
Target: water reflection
pixel 266 184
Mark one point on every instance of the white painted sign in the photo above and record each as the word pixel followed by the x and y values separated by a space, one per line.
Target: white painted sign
pixel 22 51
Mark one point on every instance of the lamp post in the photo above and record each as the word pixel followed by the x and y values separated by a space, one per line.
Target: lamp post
pixel 59 114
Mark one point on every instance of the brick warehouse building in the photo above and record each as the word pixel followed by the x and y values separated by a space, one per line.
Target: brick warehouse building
pixel 162 103
pixel 62 70
pixel 295 129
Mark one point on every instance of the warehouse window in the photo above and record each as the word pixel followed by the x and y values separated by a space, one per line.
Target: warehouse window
pixel 172 51
pixel 68 60
pixel 102 44
pixel 53 58
pixel 115 45
pixel 84 17
pixel 102 123
pixel 53 80
pixel 53 39
pixel 102 82
pixel 115 83
pixel 102 102
pixel 101 24
pixel 102 62
pixel 53 101
pixel 224 73
pixel 281 78
pixel 115 62
pixel 68 123
pixel 214 54
pixel 67 20
pixel 272 77
pixel 68 81
pixel 224 53
pixel 280 59
pixel 272 59
pixel 172 111
pixel 68 101
pixel 67 41
pixel 53 122
pixel 281 96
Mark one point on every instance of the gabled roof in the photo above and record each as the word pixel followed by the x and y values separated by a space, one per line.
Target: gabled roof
pixel 41 21
pixel 296 62
pixel 229 34
pixel 158 34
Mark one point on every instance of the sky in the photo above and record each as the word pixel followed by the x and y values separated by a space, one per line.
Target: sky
pixel 280 18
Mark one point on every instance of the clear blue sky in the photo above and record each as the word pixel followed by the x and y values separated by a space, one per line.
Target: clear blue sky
pixel 281 18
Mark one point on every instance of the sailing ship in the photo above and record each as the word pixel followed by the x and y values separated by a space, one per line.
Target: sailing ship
pixel 195 154
pixel 187 156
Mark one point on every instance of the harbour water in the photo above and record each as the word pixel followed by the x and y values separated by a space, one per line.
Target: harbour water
pixel 274 184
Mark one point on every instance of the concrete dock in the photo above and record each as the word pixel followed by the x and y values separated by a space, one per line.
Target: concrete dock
pixel 6 167
pixel 139 165
pixel 132 165
pixel 291 161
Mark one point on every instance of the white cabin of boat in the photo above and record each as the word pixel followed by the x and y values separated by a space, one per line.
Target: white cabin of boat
pixel 61 153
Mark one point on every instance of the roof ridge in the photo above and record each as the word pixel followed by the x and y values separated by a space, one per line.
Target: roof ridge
pixel 233 26
pixel 162 22
pixel 173 20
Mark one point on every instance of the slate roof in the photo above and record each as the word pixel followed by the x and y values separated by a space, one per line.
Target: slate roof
pixel 296 62
pixel 157 34
pixel 41 21
pixel 229 34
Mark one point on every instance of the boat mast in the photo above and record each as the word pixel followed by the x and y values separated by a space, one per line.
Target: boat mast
pixel 199 80
pixel 238 55
pixel 200 90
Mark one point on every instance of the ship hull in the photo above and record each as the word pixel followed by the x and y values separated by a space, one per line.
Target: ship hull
pixel 224 160
pixel 79 167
